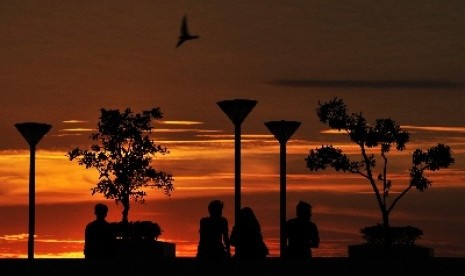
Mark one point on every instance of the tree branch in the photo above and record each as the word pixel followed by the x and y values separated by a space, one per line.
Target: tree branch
pixel 382 206
pixel 398 198
pixel 385 183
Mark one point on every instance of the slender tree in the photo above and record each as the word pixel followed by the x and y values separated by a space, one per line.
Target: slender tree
pixel 122 154
pixel 383 135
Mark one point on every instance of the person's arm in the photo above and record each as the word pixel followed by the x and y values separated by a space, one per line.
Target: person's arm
pixel 227 241
pixel 86 242
pixel 201 227
pixel 233 238
pixel 315 239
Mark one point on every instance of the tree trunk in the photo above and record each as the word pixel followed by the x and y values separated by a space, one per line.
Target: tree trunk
pixel 125 212
pixel 125 200
pixel 387 232
pixel 125 220
pixel 385 218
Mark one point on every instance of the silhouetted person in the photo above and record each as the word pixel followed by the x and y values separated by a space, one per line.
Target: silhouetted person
pixel 99 238
pixel 248 241
pixel 214 234
pixel 301 233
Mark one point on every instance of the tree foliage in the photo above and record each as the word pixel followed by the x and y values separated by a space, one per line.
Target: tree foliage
pixel 384 135
pixel 122 154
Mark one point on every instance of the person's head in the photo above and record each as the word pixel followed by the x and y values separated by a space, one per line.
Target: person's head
pixel 247 214
pixel 100 210
pixel 215 208
pixel 247 217
pixel 303 210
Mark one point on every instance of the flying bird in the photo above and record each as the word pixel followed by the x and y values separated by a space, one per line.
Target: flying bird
pixel 185 35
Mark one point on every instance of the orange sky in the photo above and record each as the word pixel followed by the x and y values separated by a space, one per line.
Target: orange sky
pixel 343 203
pixel 63 61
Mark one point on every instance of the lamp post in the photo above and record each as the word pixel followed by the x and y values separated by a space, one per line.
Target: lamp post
pixel 237 110
pixel 33 133
pixel 282 131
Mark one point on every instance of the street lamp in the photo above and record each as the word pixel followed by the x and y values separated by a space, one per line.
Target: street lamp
pixel 282 131
pixel 237 110
pixel 33 133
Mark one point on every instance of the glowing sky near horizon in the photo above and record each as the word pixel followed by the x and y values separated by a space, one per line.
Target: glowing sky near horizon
pixel 61 61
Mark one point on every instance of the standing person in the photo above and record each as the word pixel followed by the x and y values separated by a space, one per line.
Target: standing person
pixel 248 240
pixel 301 233
pixel 99 238
pixel 214 234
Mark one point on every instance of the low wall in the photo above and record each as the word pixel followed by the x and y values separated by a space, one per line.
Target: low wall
pixel 269 267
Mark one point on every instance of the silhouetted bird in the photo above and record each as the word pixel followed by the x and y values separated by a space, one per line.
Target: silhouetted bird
pixel 185 35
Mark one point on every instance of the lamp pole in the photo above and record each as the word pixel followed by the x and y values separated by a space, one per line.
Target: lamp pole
pixel 282 131
pixel 237 110
pixel 33 133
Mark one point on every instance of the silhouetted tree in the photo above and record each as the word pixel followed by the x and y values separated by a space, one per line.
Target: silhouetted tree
pixel 384 134
pixel 122 155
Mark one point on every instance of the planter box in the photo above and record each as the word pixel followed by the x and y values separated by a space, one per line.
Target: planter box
pixel 145 249
pixel 166 249
pixel 369 251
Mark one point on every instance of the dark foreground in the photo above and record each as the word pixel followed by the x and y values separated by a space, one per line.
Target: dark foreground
pixel 270 266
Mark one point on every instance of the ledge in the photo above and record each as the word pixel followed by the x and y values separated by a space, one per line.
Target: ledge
pixel 411 252
pixel 270 266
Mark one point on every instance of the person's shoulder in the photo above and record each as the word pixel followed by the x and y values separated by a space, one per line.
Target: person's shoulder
pixel 291 220
pixel 90 224
pixel 224 221
pixel 204 220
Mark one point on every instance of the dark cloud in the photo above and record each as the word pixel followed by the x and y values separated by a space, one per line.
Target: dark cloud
pixel 371 84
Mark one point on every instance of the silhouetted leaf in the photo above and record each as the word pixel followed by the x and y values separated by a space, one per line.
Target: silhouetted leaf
pixel 334 113
pixel 439 157
pixel 319 159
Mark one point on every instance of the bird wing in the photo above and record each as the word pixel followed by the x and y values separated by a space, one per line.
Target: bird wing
pixel 184 30
pixel 180 41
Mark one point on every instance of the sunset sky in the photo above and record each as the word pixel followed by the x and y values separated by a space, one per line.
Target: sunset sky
pixel 61 61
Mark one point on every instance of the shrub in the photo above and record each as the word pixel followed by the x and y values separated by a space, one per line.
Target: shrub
pixel 379 235
pixel 137 230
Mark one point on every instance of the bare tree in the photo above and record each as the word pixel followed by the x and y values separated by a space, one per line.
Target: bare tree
pixel 383 135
